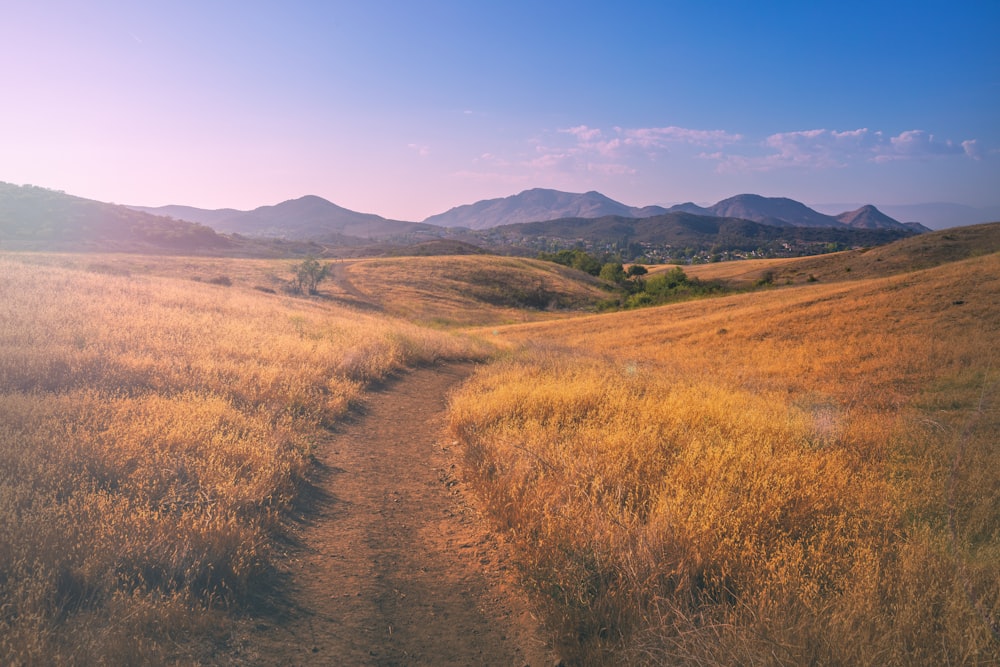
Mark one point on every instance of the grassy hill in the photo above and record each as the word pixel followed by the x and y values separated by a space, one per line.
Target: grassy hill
pixel 473 290
pixel 806 475
pixel 917 252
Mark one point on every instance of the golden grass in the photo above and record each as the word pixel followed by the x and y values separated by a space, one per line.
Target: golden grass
pixel 804 475
pixel 736 273
pixel 152 433
pixel 474 290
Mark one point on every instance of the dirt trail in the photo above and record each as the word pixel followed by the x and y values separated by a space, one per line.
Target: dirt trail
pixel 388 568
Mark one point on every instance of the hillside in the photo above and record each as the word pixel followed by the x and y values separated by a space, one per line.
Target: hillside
pixel 916 252
pixel 794 476
pixel 919 252
pixel 469 290
pixel 34 218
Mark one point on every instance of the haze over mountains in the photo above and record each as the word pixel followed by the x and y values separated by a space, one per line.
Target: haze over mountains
pixel 309 217
pixel 533 220
pixel 316 218
pixel 35 218
pixel 537 205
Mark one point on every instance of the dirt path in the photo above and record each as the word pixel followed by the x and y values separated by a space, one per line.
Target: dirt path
pixel 344 290
pixel 388 568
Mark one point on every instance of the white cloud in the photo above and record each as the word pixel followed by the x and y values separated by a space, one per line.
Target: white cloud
pixel 916 144
pixel 824 149
pixel 971 148
pixel 570 154
pixel 420 149
pixel 662 137
pixel 583 133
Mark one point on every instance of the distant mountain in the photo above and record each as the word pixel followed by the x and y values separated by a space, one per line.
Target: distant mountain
pixel 309 217
pixel 776 211
pixel 937 215
pixel 869 217
pixel 689 207
pixel 535 205
pixel 37 218
pixel 540 205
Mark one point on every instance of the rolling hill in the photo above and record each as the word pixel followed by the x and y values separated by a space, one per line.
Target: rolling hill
pixel 35 218
pixel 908 254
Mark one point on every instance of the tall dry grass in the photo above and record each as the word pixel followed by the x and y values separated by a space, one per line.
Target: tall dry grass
pixel 804 476
pixel 153 432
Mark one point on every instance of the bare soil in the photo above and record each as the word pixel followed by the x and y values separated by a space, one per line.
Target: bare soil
pixel 386 564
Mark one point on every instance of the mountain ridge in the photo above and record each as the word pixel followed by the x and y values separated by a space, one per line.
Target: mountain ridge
pixel 541 205
pixel 309 217
pixel 537 205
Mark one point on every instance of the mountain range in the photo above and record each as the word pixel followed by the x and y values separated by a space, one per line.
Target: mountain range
pixel 306 218
pixel 538 205
pixel 33 217
pixel 315 218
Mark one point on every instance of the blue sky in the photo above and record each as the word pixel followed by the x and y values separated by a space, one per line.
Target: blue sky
pixel 406 109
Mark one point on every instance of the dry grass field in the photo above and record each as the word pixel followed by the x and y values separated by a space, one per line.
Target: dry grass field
pixel 154 430
pixel 803 475
pixel 461 291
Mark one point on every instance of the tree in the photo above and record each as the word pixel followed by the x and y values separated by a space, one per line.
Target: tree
pixel 613 273
pixel 309 274
pixel 637 270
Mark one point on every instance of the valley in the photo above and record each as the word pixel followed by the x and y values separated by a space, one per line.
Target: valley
pixel 199 465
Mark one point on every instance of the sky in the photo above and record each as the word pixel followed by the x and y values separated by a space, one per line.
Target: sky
pixel 406 109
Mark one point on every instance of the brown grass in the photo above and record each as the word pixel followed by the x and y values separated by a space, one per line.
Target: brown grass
pixel 154 430
pixel 805 475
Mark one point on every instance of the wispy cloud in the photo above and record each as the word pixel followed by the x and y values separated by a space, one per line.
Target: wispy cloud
pixel 664 137
pixel 563 153
pixel 420 149
pixel 618 150
pixel 824 149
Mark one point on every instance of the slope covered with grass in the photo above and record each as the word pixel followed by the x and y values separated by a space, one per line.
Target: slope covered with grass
pixel 798 476
pixel 474 290
pixel 153 432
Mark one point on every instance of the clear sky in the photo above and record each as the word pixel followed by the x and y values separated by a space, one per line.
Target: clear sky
pixel 408 108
